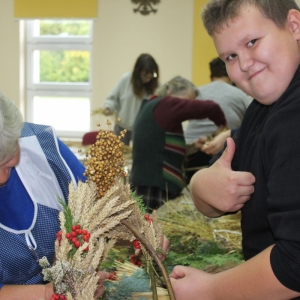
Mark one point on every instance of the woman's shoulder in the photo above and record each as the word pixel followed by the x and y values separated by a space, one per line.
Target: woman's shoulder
pixel 124 81
pixel 126 76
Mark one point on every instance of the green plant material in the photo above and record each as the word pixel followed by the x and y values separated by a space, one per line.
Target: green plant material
pixel 139 201
pixel 67 27
pixel 72 252
pixel 186 250
pixel 123 289
pixel 117 253
pixel 220 260
pixel 211 248
pixel 68 215
pixel 200 254
pixel 64 66
pixel 153 282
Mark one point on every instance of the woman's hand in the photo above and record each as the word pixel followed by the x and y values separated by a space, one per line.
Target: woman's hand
pixel 100 289
pixel 106 111
pixel 195 146
pixel 214 146
pixel 164 245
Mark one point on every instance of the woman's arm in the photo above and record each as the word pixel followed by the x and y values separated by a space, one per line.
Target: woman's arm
pixel 27 292
pixel 42 291
pixel 112 102
pixel 170 112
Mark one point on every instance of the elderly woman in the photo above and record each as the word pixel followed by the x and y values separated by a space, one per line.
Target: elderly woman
pixel 35 168
pixel 159 147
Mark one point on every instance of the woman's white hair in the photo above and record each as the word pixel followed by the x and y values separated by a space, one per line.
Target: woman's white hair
pixel 177 86
pixel 11 124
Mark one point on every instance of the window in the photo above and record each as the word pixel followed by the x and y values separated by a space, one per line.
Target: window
pixel 59 89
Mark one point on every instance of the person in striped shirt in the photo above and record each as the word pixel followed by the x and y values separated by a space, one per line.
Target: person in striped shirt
pixel 159 148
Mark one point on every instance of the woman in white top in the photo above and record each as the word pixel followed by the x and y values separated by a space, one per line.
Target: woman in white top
pixel 126 97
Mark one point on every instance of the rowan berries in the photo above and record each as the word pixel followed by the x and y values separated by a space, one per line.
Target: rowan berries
pixel 77 236
pixel 58 297
pixel 136 244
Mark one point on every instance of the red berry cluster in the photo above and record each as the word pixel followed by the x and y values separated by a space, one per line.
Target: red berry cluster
pixel 148 218
pixel 58 297
pixel 136 244
pixel 78 236
pixel 112 276
pixel 135 260
pixel 59 237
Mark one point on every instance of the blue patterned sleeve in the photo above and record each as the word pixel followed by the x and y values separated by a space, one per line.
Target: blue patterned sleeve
pixel 74 164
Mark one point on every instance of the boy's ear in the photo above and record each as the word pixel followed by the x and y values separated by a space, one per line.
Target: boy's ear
pixel 293 22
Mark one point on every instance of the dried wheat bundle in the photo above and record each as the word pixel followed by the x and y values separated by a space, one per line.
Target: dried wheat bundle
pixel 102 220
pixel 99 212
pixel 188 220
pixel 83 242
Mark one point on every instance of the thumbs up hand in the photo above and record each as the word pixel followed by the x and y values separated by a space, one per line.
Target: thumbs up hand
pixel 219 189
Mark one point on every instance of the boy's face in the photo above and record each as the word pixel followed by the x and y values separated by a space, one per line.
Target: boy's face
pixel 260 57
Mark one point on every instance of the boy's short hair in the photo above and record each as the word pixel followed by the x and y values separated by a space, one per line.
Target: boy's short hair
pixel 217 68
pixel 217 13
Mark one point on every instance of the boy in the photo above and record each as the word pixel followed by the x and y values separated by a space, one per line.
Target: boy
pixel 259 41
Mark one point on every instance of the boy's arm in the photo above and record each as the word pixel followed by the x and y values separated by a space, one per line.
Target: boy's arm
pixel 251 280
pixel 219 189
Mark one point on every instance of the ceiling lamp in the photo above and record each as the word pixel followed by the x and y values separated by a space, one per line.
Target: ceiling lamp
pixel 145 6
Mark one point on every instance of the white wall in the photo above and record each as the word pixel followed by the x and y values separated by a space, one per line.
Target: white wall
pixel 120 35
pixel 9 51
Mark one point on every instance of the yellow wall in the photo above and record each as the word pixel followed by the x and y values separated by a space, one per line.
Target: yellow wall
pixel 55 9
pixel 203 48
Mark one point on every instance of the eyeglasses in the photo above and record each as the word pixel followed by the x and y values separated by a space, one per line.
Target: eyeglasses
pixel 148 76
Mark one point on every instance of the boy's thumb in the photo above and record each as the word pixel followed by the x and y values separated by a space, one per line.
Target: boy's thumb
pixel 228 153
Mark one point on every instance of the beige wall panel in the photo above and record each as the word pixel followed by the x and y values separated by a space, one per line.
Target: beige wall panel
pixel 9 52
pixel 121 35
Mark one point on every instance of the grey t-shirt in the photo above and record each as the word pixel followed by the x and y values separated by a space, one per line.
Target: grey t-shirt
pixel 233 102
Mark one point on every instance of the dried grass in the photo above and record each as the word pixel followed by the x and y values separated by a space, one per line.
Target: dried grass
pixel 181 217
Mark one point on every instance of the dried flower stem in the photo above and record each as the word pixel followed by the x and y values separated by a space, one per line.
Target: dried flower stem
pixel 153 283
pixel 153 253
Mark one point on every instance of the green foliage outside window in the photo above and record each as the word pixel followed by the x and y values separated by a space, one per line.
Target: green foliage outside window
pixel 64 66
pixel 65 28
pixel 68 65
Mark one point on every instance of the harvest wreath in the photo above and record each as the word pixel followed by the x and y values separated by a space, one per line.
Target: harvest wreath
pixel 100 212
